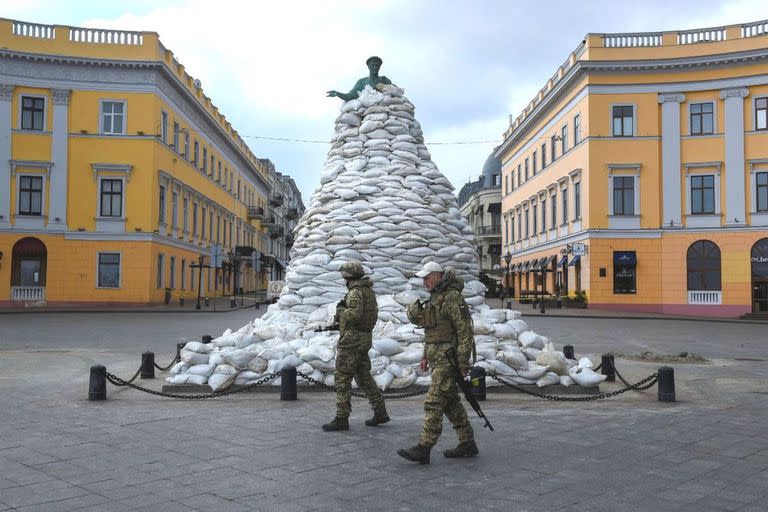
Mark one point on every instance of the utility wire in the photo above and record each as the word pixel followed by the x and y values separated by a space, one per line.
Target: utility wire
pixel 311 141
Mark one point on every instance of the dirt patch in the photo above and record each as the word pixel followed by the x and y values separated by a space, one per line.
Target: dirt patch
pixel 652 357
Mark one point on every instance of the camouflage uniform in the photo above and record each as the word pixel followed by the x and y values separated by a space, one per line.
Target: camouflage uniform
pixel 356 316
pixel 447 323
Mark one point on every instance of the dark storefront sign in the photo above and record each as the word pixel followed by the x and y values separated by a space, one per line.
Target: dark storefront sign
pixel 624 272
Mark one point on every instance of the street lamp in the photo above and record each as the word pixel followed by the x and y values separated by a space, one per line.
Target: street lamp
pixel 508 259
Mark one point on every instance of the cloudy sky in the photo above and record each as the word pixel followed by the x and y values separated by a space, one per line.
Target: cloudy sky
pixel 466 65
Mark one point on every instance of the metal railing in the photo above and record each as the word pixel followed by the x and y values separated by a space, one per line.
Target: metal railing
pixel 255 212
pixel 705 297
pixel 489 230
pixel 28 293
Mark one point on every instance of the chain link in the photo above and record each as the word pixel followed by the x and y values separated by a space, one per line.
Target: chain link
pixel 360 395
pixel 650 381
pixel 166 368
pixel 125 382
pixel 117 381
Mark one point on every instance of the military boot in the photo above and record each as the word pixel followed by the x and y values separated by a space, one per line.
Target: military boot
pixel 465 449
pixel 379 417
pixel 416 453
pixel 337 424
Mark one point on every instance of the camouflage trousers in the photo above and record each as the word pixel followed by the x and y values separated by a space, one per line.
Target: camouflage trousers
pixel 443 398
pixel 355 364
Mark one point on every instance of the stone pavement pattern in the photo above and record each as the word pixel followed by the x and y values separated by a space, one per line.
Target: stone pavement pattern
pixel 59 452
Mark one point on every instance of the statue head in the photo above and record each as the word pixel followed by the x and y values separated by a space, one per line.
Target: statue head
pixel 374 64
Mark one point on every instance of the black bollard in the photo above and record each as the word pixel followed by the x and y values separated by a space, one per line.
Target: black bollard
pixel 207 302
pixel 97 388
pixel 509 304
pixel 147 365
pixel 256 304
pixel 207 338
pixel 179 346
pixel 477 382
pixel 568 352
pixel 232 302
pixel 607 368
pixel 181 301
pixel 534 304
pixel 288 384
pixel 666 382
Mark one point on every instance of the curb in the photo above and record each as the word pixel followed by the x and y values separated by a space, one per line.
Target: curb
pixel 31 311
pixel 676 318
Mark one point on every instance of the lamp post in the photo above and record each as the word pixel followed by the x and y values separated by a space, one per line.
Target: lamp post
pixel 508 259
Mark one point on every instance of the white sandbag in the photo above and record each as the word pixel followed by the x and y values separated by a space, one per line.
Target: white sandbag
pixel 387 346
pixel 585 377
pixel 247 341
pixel 531 353
pixel 406 379
pixel 520 327
pixel 196 346
pixel 379 364
pixel 548 379
pixel 257 365
pixel 533 371
pixel 238 358
pixel 187 378
pixel 486 350
pixel 316 351
pixel 323 366
pixel 514 315
pixel 521 381
pixel 423 380
pixel 585 362
pixel 530 339
pixel 513 356
pixel 221 381
pixel 555 360
pixel 216 359
pixel 408 356
pixel 201 369
pixel 502 368
pixel 383 380
pixel 193 358
pixel 179 367
pixel 289 361
pixel 566 380
pixel 504 330
pixel 494 316
pixel 396 369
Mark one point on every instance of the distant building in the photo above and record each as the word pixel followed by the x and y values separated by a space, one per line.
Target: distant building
pixel 480 204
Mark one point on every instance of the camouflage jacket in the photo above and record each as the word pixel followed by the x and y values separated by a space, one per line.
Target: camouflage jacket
pixel 356 315
pixel 446 322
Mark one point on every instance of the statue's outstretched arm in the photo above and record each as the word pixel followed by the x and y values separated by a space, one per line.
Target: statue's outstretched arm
pixel 351 95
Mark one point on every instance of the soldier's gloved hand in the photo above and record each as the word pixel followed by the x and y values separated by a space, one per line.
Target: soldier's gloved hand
pixel 424 364
pixel 464 370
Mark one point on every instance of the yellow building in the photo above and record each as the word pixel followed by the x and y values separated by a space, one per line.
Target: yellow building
pixel 638 175
pixel 117 173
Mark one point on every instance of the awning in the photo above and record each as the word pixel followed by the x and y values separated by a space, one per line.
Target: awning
pixel 516 267
pixel 625 258
pixel 281 263
pixel 574 261
pixel 494 250
pixel 534 265
pixel 494 208
pixel 563 261
pixel 548 261
pixel 524 266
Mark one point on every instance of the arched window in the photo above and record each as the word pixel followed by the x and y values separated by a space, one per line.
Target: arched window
pixel 704 266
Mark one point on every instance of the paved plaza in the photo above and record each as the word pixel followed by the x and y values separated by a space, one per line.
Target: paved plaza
pixel 59 452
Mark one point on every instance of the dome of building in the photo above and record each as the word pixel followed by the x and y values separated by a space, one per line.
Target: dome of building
pixel 491 167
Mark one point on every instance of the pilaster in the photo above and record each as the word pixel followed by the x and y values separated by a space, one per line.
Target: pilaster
pixel 670 159
pixel 57 211
pixel 6 124
pixel 735 194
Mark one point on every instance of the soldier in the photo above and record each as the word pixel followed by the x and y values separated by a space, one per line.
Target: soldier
pixel 356 315
pixel 447 324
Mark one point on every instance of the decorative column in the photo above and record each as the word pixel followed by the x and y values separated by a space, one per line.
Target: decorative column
pixel 670 160
pixel 57 209
pixel 6 123
pixel 735 200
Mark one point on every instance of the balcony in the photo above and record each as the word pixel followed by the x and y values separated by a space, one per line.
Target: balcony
pixel 488 230
pixel 255 212
pixel 705 297
pixel 292 213
pixel 244 250
pixel 275 231
pixel 267 261
pixel 289 240
pixel 268 222
pixel 28 293
pixel 276 199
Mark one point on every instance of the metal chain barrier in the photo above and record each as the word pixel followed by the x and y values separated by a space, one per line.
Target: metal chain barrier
pixel 360 395
pixel 165 368
pixel 117 381
pixel 122 382
pixel 646 383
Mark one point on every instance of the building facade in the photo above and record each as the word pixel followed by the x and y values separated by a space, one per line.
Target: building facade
pixel 480 203
pixel 638 175
pixel 118 174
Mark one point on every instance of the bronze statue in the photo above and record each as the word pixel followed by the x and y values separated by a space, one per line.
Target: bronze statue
pixel 373 79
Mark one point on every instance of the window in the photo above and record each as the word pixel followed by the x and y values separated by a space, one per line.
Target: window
pixel 761 182
pixel 172 272
pixel 576 129
pixel 496 180
pixel 702 118
pixel 624 272
pixel 164 126
pixel 703 261
pixel 30 195
pixel 186 144
pixel 176 137
pixel 183 273
pixel 544 155
pixel 526 169
pixel 218 228
pixel 564 194
pixel 623 121
pixel 194 220
pixel 535 219
pixel 202 225
pixel 213 167
pixel 210 227
pixel 623 195
pixel 174 210
pixel 761 113
pixel 32 113
pixel 506 184
pixel 112 117
pixel 527 234
pixel 577 200
pixel 205 159
pixel 564 142
pixel 185 213
pixel 702 194
pixel 519 225
pixel 534 163
pixel 218 176
pixel 160 266
pixel 195 153
pixel 552 147
pixel 543 215
pixel 111 198
pixel 519 181
pixel 238 188
pixel 109 270
pixel 161 217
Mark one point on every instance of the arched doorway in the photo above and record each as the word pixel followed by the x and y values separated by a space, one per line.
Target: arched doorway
pixel 28 269
pixel 760 276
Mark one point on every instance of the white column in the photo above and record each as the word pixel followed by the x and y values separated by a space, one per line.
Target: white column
pixel 735 200
pixel 6 95
pixel 670 160
pixel 57 209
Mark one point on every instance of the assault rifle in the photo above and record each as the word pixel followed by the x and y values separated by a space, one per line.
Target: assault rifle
pixel 332 327
pixel 453 360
